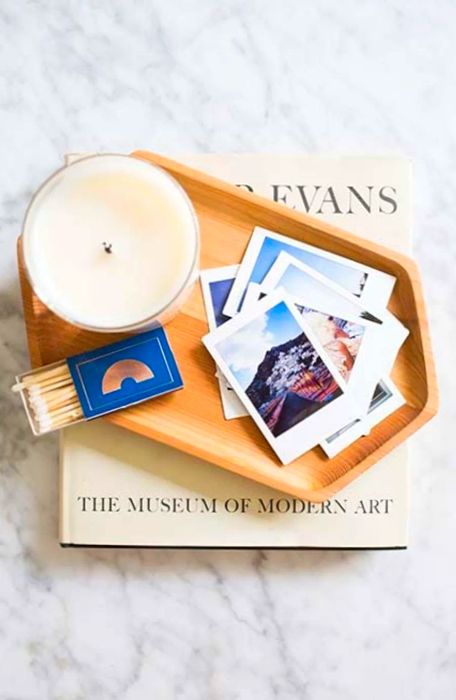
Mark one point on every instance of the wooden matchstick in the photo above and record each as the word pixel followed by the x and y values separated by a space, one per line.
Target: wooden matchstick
pixel 52 397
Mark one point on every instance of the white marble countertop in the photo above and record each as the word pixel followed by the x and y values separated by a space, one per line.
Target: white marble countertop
pixel 183 76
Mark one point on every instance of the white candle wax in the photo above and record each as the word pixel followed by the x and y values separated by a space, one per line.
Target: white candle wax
pixel 110 243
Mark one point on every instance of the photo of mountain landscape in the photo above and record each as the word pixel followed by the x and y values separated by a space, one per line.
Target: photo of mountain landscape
pixel 291 383
pixel 279 369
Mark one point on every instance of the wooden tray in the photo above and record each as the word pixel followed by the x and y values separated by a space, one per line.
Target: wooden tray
pixel 192 420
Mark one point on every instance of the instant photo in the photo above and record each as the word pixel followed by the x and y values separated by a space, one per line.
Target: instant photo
pixel 282 374
pixel 386 399
pixel 216 284
pixel 370 285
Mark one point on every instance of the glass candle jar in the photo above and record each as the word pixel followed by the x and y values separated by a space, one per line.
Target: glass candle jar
pixel 111 243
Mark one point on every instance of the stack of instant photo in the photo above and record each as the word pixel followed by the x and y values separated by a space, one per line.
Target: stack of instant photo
pixel 303 343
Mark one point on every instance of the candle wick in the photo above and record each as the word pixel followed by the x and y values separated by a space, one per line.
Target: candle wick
pixel 107 247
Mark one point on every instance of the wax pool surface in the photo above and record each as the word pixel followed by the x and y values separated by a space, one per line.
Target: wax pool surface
pixel 129 205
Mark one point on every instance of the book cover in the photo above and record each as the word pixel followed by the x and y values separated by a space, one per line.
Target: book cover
pixel 120 489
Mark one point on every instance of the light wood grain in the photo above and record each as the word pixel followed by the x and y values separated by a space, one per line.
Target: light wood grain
pixel 192 419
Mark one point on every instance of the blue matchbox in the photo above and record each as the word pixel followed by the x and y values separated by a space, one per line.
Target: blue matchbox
pixel 99 381
pixel 124 373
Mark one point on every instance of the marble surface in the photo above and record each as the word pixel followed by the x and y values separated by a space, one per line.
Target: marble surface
pixel 193 75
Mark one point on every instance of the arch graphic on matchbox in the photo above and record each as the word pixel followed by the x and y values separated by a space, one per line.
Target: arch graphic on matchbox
pixel 124 369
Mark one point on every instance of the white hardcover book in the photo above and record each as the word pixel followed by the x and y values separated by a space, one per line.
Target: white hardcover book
pixel 120 489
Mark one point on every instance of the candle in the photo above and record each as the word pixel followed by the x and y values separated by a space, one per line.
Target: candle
pixel 111 243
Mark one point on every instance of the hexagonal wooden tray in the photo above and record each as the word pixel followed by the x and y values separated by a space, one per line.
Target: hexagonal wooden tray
pixel 192 419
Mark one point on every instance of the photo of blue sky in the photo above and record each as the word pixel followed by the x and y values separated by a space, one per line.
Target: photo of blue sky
pixel 351 279
pixel 219 291
pixel 245 349
pixel 316 294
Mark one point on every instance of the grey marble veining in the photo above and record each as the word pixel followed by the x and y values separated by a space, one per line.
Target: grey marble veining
pixel 193 75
